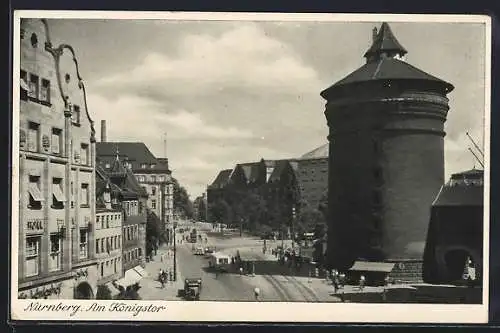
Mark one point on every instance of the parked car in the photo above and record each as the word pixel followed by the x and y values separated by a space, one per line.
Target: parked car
pixel 199 251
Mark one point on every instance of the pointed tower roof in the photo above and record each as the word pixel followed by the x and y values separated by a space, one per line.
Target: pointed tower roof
pixel 117 169
pixel 383 65
pixel 385 42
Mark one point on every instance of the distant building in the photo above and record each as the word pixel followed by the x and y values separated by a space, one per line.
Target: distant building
pixel 283 184
pixel 383 118
pixel 152 173
pixel 122 193
pixel 108 231
pixel 455 237
pixel 56 172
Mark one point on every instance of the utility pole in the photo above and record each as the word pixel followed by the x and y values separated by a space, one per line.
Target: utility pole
pixel 175 252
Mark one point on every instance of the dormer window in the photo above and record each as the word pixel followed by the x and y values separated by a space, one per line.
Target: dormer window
pixel 152 166
pixel 143 166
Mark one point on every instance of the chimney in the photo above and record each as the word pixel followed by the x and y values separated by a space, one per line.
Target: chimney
pixel 374 34
pixel 103 130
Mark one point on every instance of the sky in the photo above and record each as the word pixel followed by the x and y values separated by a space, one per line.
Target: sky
pixel 226 92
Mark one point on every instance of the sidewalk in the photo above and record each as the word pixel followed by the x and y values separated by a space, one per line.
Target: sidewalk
pixel 151 287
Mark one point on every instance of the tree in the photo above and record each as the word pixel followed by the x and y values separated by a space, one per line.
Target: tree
pixel 310 219
pixel 182 203
pixel 155 232
pixel 254 210
pixel 220 212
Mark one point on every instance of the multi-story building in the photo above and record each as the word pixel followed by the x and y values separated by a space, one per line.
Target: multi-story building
pixel 287 185
pixel 129 198
pixel 152 173
pixel 108 231
pixel 56 172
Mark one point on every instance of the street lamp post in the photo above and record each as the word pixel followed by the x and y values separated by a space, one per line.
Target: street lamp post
pixel 175 252
pixel 293 230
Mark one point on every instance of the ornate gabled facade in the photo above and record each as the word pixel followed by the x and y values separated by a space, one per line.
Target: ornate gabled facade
pixel 57 171
pixel 383 118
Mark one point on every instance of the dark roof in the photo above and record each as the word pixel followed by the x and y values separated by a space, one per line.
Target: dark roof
pixel 280 165
pixel 137 153
pixel 221 179
pixel 386 69
pixel 320 152
pixel 469 174
pixel 460 195
pixel 251 171
pixel 385 41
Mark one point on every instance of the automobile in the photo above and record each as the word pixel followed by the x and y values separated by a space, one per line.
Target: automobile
pixel 199 251
pixel 192 289
pixel 219 262
pixel 209 250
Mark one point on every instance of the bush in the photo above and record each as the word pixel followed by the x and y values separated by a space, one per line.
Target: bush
pixel 103 292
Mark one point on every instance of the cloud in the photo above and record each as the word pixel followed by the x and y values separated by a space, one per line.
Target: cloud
pixel 240 57
pixel 137 117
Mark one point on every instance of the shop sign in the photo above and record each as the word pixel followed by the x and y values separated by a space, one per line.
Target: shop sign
pixel 34 225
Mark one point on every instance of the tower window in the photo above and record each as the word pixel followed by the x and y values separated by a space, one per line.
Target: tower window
pixel 34 40
pixel 33 87
pixel 376 198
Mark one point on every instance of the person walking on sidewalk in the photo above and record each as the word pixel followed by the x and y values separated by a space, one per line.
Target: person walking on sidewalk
pixel 256 292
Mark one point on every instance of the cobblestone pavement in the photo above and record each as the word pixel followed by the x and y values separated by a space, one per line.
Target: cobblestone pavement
pixel 151 287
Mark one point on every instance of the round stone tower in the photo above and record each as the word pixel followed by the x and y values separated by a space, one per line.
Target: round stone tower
pixel 386 156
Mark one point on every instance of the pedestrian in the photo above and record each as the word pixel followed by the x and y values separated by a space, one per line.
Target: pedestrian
pixel 256 292
pixel 241 270
pixel 161 257
pixel 362 282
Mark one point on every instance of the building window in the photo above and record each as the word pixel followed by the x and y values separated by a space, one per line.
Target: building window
pixel 153 204
pixel 143 166
pixel 153 190
pixel 33 136
pixel 55 258
pixel 83 243
pixel 102 269
pixel 45 91
pixel 33 87
pixel 24 86
pixel 35 194
pixel 153 179
pixel 161 179
pixel 152 166
pixel 107 221
pixel 84 154
pixel 57 193
pixel 32 260
pixel 75 117
pixel 84 195
pixel 107 166
pixel 97 248
pixel 56 141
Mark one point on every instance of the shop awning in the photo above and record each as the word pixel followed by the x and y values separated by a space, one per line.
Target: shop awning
pixel 112 288
pixel 367 266
pixel 35 192
pixel 141 271
pixel 131 277
pixel 56 190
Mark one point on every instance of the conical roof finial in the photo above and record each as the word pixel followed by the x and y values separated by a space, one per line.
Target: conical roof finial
pixel 384 43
